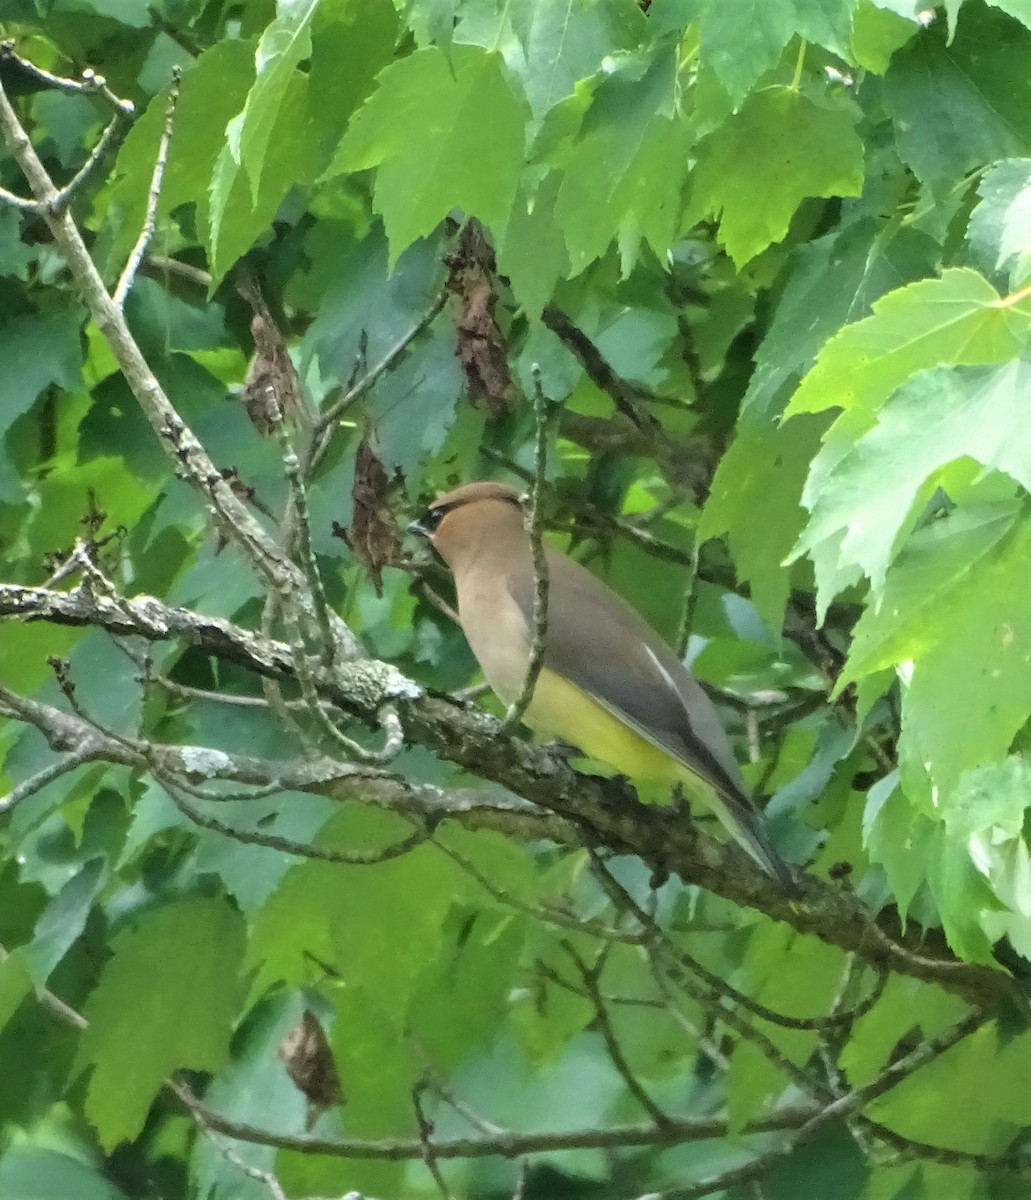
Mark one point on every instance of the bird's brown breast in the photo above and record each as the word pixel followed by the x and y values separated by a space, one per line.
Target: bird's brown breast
pixel 496 630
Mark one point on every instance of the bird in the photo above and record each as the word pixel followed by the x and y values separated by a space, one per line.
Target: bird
pixel 609 684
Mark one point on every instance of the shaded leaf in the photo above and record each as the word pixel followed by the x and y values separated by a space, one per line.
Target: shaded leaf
pixel 443 135
pixel 813 150
pixel 166 999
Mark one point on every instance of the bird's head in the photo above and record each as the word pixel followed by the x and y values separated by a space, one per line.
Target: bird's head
pixel 462 519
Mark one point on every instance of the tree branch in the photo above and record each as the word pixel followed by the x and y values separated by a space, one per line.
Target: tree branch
pixel 153 195
pixel 604 810
pixel 228 512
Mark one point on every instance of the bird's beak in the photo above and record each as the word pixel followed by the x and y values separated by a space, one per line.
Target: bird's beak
pixel 418 530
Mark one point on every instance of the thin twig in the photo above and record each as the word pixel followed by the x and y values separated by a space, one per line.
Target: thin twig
pixel 452 1101
pixel 425 1127
pixel 386 363
pixel 91 84
pixel 54 1003
pixel 688 603
pixel 230 515
pixel 272 690
pixel 904 954
pixel 717 985
pixel 88 752
pixel 552 976
pixel 510 1144
pixel 65 194
pixel 540 912
pixel 394 734
pixel 704 1043
pixel 132 265
pixel 837 1109
pixel 541 580
pixel 275 1188
pixel 666 957
pixel 273 841
pixel 590 976
pixel 160 263
pixel 298 521
pixel 520 1181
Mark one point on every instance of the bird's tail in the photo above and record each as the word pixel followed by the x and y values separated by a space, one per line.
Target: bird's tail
pixel 746 827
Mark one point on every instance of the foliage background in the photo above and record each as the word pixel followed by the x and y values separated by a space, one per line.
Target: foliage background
pixel 774 265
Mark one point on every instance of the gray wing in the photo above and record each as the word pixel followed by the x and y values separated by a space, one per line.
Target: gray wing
pixel 648 688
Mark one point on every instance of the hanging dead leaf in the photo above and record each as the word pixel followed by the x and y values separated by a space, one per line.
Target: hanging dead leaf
pixel 374 535
pixel 271 379
pixel 309 1062
pixel 481 345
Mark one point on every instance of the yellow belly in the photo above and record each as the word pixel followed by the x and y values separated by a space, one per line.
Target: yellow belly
pixel 561 709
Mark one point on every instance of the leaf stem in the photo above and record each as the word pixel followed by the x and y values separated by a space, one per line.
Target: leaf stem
pixel 796 79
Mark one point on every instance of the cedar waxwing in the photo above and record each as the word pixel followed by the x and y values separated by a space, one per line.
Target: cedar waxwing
pixel 609 684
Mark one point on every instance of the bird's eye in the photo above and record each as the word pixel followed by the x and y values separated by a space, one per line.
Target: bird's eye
pixel 432 517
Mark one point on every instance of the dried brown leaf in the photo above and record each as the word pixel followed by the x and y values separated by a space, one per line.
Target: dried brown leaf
pixel 374 535
pixel 481 347
pixel 309 1062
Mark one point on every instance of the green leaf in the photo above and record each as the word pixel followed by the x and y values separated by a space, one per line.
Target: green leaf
pixel 958 107
pixel 937 559
pixel 963 898
pixel 905 1005
pixel 376 1066
pixel 1011 1096
pixel 400 903
pixel 923 1106
pixel 63 921
pixel 1020 10
pixel 753 1079
pixel 897 838
pixel 15 983
pixel 984 818
pixel 352 40
pixel 36 350
pixel 999 232
pixel 869 492
pixel 532 251
pixel 741 42
pixel 993 797
pixel 166 1000
pixel 239 215
pixel 762 473
pixel 829 282
pixel 810 148
pixel 15 256
pixel 465 996
pixel 965 696
pixel 877 32
pixel 624 174
pixel 212 90
pixel 280 51
pixel 417 128
pixel 29 1172
pixel 563 42
pixel 957 319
